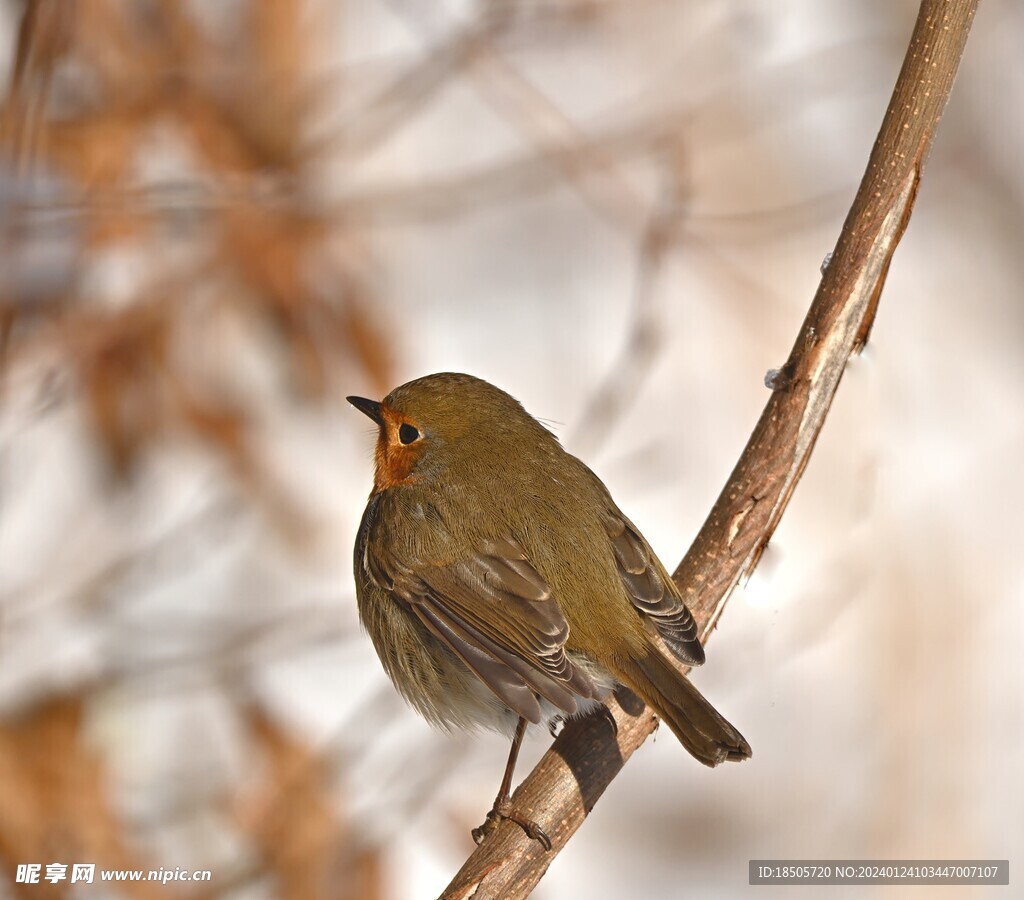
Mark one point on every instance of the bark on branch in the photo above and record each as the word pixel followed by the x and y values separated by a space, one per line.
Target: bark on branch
pixel 586 756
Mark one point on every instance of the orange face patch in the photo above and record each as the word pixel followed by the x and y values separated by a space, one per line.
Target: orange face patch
pixel 393 460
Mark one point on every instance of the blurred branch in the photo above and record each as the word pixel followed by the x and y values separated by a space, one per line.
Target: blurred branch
pixel 153 222
pixel 555 138
pixel 303 841
pixel 274 259
pixel 641 348
pixel 624 132
pixel 568 780
pixel 55 801
pixel 393 106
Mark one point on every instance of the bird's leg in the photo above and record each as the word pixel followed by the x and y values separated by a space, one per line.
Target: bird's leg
pixel 502 808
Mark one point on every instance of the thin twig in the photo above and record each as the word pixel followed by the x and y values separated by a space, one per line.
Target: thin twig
pixel 571 776
pixel 557 140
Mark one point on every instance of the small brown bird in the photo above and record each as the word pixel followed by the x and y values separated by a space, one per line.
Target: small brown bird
pixel 501 584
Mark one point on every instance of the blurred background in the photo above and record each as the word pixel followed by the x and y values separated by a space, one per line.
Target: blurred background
pixel 218 219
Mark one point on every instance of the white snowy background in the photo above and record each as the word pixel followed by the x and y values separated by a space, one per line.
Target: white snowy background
pixel 874 659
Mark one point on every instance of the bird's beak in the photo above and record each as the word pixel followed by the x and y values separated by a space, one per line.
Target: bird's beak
pixel 370 408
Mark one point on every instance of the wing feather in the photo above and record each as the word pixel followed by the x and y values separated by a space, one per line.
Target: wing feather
pixel 651 589
pixel 496 613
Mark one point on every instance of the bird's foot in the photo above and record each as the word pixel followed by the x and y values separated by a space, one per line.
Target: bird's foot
pixel 504 810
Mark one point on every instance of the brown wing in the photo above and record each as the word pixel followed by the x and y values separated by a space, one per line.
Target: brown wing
pixel 652 591
pixel 496 613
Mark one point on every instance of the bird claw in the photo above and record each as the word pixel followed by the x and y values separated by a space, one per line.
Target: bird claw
pixel 535 832
pixel 605 713
pixel 481 831
pixel 505 811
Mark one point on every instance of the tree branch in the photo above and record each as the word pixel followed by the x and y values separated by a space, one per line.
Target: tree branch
pixel 586 756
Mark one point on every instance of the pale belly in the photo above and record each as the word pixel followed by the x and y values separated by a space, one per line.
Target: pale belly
pixel 437 683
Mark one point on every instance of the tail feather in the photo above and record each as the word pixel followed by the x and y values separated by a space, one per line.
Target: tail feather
pixel 701 729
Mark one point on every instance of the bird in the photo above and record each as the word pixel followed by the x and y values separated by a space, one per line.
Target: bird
pixel 501 585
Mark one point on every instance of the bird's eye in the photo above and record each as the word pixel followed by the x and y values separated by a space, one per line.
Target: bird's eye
pixel 407 434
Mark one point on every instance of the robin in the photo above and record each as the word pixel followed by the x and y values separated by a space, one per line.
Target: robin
pixel 501 585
